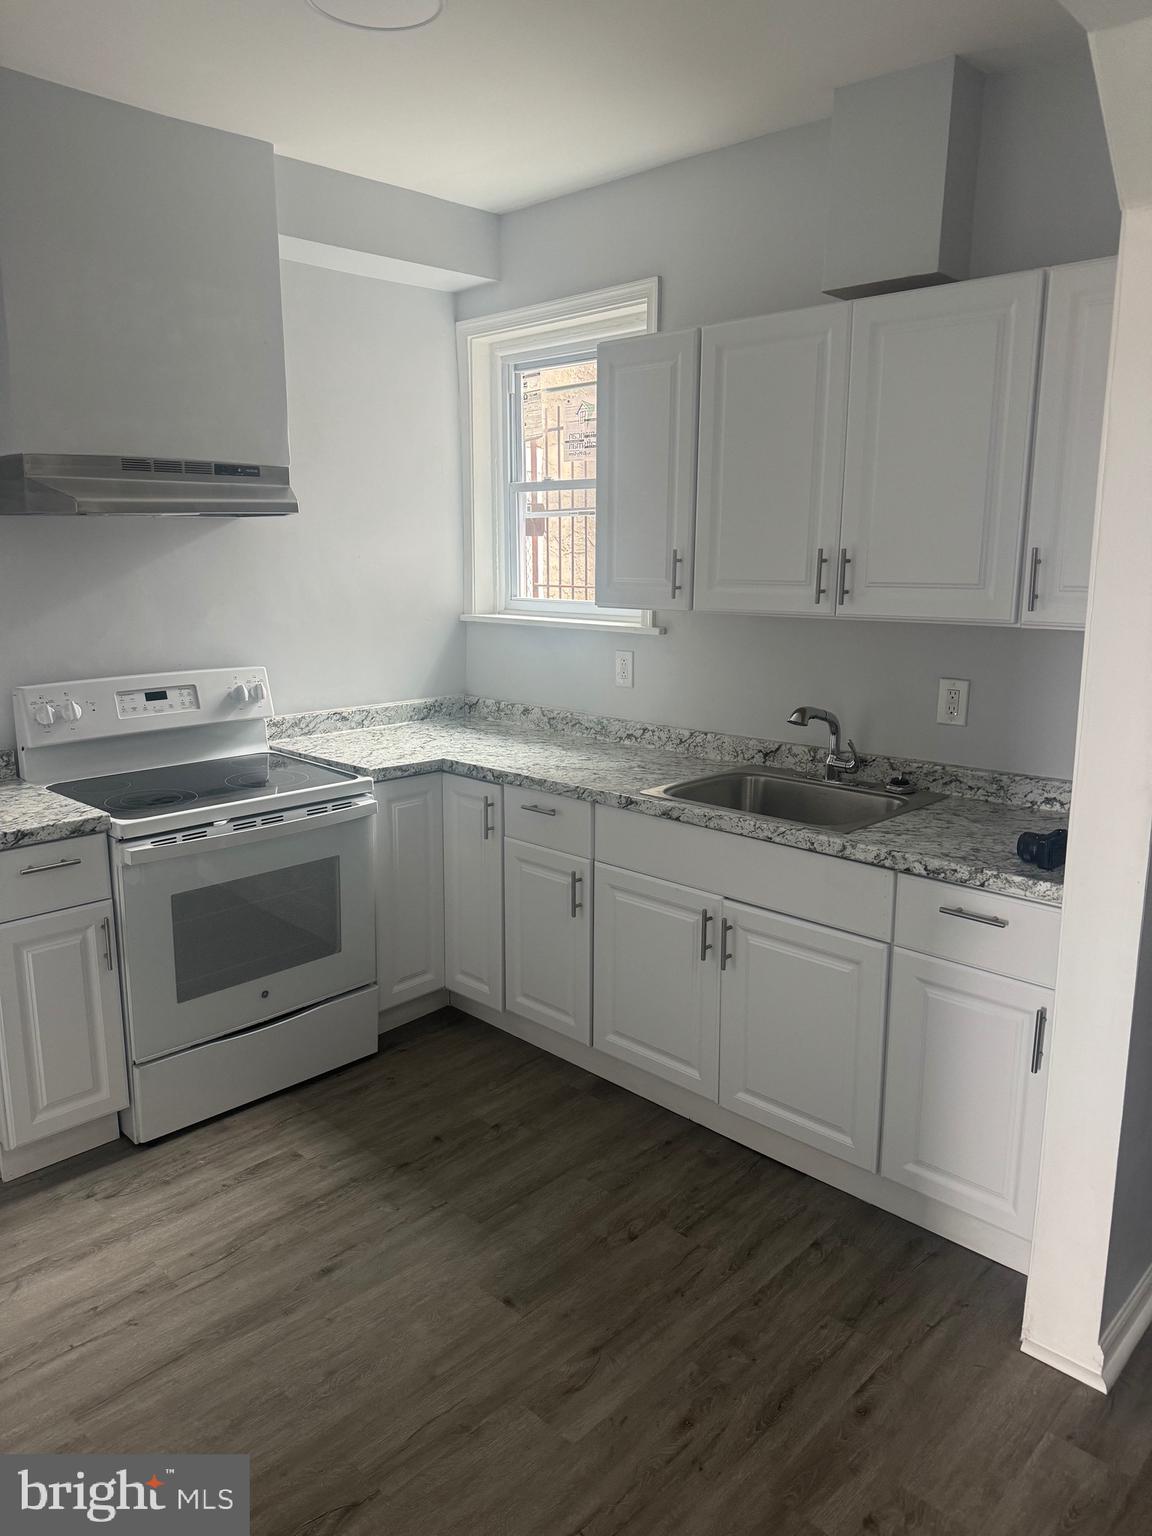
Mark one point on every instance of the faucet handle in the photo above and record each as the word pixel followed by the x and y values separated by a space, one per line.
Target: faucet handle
pixel 845 762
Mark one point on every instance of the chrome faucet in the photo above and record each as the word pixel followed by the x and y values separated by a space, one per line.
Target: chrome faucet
pixel 837 762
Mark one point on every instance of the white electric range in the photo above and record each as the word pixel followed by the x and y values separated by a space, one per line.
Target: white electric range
pixel 243 883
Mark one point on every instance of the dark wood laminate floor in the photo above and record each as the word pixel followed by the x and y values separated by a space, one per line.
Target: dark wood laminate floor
pixel 464 1289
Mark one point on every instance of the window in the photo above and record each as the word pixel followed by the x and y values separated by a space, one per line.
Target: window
pixel 528 400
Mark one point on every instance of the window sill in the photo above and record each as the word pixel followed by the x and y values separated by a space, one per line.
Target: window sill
pixel 547 621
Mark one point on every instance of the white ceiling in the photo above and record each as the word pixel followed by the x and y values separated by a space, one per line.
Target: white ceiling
pixel 504 102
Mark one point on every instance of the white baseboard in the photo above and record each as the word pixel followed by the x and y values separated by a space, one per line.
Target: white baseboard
pixel 416 1008
pixel 1088 1374
pixel 1127 1328
pixel 1004 1247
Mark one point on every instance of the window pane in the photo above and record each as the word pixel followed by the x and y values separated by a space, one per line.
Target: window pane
pixel 557 545
pixel 558 421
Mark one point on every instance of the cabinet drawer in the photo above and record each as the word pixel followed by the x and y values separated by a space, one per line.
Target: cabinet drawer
pixel 549 821
pixel 994 933
pixel 46 877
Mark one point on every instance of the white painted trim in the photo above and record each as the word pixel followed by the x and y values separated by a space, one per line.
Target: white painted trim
pixel 56 1149
pixel 970 1232
pixel 388 269
pixel 549 621
pixel 1069 1367
pixel 416 1008
pixel 1127 1328
pixel 482 346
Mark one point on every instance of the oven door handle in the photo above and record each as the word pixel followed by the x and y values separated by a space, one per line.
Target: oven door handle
pixel 153 852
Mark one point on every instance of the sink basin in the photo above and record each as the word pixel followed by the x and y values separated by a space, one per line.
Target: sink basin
pixel 787 797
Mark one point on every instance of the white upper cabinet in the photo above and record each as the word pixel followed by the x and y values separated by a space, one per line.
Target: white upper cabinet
pixel 773 403
pixel 647 391
pixel 802 1030
pixel 1066 458
pixel 939 428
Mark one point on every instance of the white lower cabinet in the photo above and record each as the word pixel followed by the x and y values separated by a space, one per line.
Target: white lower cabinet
pixel 409 888
pixel 657 990
pixel 474 889
pixel 548 938
pixel 965 1087
pixel 61 1029
pixel 802 1030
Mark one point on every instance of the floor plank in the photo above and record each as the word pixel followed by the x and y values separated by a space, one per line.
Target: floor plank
pixel 465 1287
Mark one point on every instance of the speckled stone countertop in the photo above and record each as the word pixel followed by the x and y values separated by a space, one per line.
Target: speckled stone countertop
pixel 965 841
pixel 30 814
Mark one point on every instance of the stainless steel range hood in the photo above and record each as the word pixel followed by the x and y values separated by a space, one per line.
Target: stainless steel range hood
pixel 102 485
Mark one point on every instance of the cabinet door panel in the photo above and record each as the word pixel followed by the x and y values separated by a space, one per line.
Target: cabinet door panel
pixel 963 1110
pixel 657 989
pixel 773 404
pixel 939 429
pixel 802 1031
pixel 474 889
pixel 548 938
pixel 62 1059
pixel 1069 426
pixel 409 888
pixel 647 391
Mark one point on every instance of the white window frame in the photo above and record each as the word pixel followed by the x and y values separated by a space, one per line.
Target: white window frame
pixel 487 350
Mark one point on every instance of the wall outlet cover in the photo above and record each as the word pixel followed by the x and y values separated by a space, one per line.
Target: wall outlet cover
pixel 952 704
pixel 624 669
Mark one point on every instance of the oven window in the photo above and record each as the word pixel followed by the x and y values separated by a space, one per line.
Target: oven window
pixel 241 930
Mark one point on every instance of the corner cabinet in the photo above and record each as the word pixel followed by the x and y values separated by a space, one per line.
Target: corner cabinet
pixel 939 429
pixel 647 391
pixel 474 889
pixel 409 888
pixel 965 1088
pixel 1066 456
pixel 62 1061
pixel 773 403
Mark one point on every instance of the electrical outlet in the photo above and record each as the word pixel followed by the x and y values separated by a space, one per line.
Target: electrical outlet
pixel 952 706
pixel 623 669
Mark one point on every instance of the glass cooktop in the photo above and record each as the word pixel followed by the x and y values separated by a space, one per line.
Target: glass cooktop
pixel 221 780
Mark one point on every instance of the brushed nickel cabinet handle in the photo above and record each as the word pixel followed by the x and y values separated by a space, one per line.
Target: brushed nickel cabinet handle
pixel 107 927
pixel 725 929
pixel 1034 564
pixel 577 882
pixel 540 810
pixel 705 945
pixel 489 826
pixel 1038 1038
pixel 974 917
pixel 842 575
pixel 677 586
pixel 821 589
pixel 43 869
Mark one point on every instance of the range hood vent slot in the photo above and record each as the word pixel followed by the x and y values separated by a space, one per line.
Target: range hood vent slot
pixel 104 485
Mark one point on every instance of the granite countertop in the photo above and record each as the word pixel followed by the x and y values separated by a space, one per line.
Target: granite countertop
pixel 31 814
pixel 966 842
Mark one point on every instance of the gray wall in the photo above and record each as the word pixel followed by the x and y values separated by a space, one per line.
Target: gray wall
pixel 740 232
pixel 355 599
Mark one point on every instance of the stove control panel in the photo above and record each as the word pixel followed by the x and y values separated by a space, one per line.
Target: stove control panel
pixel 51 714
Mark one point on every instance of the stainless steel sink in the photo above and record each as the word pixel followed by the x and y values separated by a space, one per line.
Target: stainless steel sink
pixel 788 797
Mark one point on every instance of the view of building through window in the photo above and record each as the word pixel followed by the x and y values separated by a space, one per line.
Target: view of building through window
pixel 554 491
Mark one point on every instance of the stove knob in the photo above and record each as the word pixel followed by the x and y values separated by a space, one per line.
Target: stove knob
pixel 45 715
pixel 240 694
pixel 70 710
pixel 256 691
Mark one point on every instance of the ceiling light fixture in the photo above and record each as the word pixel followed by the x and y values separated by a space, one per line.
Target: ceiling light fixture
pixel 379 15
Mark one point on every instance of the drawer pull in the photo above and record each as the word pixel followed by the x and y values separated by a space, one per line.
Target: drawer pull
pixel 43 869
pixel 974 917
pixel 1038 1038
pixel 540 810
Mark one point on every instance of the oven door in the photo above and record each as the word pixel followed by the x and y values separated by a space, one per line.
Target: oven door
pixel 244 925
